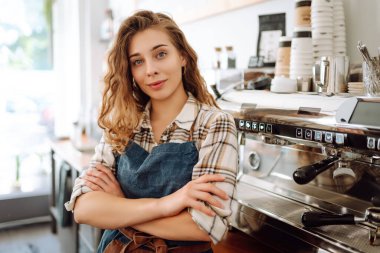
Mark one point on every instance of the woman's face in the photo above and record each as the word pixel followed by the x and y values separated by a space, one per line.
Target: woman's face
pixel 156 64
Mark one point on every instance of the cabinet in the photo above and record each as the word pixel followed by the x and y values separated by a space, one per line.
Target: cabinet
pixel 237 241
pixel 67 163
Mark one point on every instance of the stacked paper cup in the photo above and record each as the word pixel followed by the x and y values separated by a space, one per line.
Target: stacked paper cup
pixel 339 29
pixel 283 57
pixel 301 54
pixel 322 23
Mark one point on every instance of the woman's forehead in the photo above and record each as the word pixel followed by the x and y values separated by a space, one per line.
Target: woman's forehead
pixel 146 40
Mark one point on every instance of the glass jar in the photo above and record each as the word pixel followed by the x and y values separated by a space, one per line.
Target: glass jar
pixel 231 57
pixel 217 58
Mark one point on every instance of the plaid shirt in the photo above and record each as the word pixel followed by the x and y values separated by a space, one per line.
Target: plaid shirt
pixel 216 140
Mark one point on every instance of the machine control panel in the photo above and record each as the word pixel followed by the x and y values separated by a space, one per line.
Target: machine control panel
pixel 309 134
pixel 317 135
pixel 371 142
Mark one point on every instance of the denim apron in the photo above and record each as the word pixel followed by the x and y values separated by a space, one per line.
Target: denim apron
pixel 154 175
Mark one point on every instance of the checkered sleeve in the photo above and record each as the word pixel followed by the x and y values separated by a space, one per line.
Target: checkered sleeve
pixel 103 155
pixel 218 154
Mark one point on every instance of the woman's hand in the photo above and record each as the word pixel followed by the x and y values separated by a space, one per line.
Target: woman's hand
pixel 101 178
pixel 192 195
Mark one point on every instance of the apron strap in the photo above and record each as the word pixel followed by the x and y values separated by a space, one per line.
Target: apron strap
pixel 144 243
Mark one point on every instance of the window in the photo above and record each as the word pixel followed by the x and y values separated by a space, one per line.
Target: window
pixel 25 34
pixel 26 93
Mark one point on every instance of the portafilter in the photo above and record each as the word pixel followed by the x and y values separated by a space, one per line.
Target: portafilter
pixel 372 216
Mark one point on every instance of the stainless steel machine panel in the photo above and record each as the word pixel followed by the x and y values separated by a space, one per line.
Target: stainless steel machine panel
pixel 297 154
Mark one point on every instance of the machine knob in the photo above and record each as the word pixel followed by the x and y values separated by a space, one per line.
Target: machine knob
pixel 254 160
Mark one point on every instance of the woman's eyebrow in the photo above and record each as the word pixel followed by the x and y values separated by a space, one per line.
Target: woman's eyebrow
pixel 159 45
pixel 153 48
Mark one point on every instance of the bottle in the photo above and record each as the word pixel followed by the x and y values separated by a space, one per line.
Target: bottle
pixel 231 57
pixel 106 29
pixel 217 64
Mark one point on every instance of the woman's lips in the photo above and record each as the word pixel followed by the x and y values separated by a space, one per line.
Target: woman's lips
pixel 157 85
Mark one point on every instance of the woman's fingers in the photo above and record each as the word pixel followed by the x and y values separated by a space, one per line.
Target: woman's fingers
pixel 96 181
pixel 106 171
pixel 197 205
pixel 93 186
pixel 207 197
pixel 211 188
pixel 104 179
pixel 210 178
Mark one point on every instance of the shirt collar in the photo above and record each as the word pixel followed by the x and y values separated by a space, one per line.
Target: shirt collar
pixel 184 119
pixel 188 113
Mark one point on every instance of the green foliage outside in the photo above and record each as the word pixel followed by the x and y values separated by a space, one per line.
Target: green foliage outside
pixel 30 50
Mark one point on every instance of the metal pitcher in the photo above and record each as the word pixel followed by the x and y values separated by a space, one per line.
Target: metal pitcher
pixel 331 74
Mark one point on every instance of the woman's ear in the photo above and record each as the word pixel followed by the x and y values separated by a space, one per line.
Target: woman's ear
pixel 183 60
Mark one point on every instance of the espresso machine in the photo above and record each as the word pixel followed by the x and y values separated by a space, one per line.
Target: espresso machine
pixel 309 170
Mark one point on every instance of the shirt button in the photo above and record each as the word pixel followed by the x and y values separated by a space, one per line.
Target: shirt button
pixel 164 138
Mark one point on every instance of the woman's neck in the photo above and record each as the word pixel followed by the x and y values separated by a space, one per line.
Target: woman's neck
pixel 167 110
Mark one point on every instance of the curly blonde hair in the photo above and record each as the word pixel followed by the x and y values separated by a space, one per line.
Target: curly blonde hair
pixel 122 102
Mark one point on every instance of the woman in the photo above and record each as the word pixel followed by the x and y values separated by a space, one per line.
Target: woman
pixel 163 174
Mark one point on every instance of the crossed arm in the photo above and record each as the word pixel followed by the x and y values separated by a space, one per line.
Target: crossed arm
pixel 166 217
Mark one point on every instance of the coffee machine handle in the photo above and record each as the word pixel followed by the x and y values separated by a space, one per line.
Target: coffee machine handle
pixel 376 201
pixel 316 219
pixel 305 174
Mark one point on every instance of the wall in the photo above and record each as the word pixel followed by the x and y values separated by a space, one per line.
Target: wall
pixel 79 56
pixel 363 23
pixel 240 27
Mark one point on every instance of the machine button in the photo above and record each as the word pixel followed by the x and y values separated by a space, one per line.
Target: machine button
pixel 261 127
pixel 308 134
pixel 339 138
pixel 241 124
pixel 269 128
pixel 329 137
pixel 299 133
pixel 254 127
pixel 371 143
pixel 248 125
pixel 318 135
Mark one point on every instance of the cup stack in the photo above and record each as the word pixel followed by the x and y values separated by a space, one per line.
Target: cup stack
pixel 356 88
pixel 283 57
pixel 322 23
pixel 301 54
pixel 339 29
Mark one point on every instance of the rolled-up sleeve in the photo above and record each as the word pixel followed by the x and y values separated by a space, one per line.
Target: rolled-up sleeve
pixel 218 154
pixel 103 155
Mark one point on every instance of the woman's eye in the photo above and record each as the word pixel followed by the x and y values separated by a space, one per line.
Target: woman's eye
pixel 137 62
pixel 161 55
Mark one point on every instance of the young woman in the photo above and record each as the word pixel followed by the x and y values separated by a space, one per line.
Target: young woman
pixel 163 175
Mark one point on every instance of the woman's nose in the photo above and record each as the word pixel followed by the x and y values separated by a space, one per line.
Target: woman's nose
pixel 151 68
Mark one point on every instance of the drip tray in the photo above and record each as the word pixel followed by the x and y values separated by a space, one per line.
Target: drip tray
pixel 254 204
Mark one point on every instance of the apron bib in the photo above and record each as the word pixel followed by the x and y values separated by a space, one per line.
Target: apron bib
pixel 154 175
